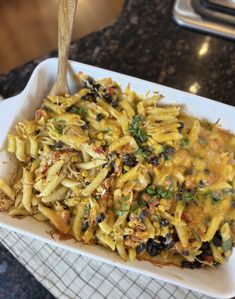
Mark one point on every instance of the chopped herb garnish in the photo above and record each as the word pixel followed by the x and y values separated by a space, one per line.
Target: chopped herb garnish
pixel 215 197
pixel 144 153
pixel 59 124
pixel 125 207
pixel 188 196
pixel 136 131
pixel 155 218
pixel 118 212
pixel 60 129
pixel 227 245
pixel 160 192
pixel 126 197
pixel 185 142
pixel 150 190
pixel 141 202
pixel 87 209
pixel 82 111
pixel 169 191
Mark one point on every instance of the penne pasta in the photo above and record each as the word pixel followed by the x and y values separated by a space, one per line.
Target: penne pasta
pixel 27 189
pixel 7 189
pixel 69 183
pixel 213 227
pixel 77 223
pixel 110 167
pixel 96 182
pixel 20 149
pixel 183 235
pixel 11 146
pixel 54 218
pixel 91 164
pixel 131 254
pixel 106 240
pixel 56 195
pixel 51 185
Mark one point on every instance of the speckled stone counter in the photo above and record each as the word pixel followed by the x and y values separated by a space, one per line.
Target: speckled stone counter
pixel 146 43
pixel 16 282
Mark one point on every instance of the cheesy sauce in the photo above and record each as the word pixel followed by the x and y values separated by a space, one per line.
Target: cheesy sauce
pixel 110 167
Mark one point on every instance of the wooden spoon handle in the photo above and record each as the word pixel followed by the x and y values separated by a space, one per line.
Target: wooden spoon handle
pixel 66 15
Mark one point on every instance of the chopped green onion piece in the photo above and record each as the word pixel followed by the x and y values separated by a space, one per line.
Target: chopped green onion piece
pixel 141 202
pixel 187 197
pixel 118 212
pixel 150 190
pixel 79 110
pixel 155 217
pixel 215 197
pixel 227 245
pixel 136 131
pixel 185 142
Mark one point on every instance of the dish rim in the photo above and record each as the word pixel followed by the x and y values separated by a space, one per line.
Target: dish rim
pixel 20 97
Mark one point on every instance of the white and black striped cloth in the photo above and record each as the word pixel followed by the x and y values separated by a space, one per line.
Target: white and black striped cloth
pixel 69 275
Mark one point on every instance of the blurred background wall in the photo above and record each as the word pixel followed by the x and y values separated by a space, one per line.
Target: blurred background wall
pixel 28 28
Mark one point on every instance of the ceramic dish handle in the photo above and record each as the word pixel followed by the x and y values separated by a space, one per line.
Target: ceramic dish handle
pixel 8 110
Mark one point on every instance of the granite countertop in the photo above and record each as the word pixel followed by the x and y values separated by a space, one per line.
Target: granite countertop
pixel 144 42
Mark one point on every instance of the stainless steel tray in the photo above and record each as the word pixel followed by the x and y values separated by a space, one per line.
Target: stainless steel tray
pixel 184 15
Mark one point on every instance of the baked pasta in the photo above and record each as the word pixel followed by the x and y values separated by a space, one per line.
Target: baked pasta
pixel 110 167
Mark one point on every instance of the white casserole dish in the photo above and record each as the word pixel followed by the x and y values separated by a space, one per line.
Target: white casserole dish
pixel 219 282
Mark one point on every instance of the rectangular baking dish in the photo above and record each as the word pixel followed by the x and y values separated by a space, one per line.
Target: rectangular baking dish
pixel 218 282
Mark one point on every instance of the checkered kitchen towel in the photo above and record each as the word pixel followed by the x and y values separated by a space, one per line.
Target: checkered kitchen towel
pixel 69 275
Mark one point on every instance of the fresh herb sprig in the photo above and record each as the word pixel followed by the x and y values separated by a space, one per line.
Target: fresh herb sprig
pixel 144 151
pixel 160 192
pixel 136 131
pixel 227 245
pixel 123 206
pixel 188 196
pixel 59 125
pixel 82 111
pixel 213 195
pixel 184 142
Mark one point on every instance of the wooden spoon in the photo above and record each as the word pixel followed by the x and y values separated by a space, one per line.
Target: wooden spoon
pixel 66 15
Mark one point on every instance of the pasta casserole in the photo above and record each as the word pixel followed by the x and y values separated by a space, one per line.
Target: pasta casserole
pixel 108 166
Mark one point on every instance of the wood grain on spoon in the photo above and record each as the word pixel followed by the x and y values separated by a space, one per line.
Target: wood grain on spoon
pixel 66 16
